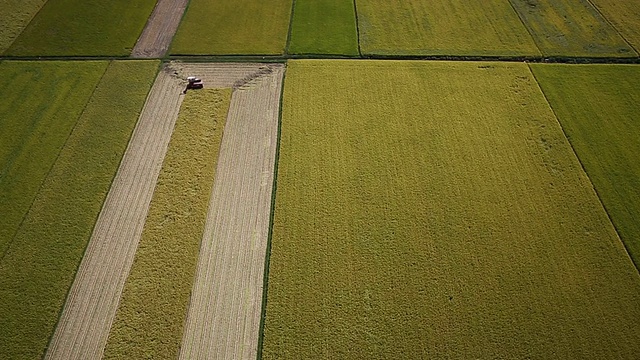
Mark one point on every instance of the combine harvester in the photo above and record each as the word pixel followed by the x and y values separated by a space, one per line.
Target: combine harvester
pixel 193 83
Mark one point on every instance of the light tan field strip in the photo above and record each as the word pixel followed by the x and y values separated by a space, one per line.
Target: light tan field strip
pixel 92 302
pixel 160 29
pixel 226 300
pixel 224 315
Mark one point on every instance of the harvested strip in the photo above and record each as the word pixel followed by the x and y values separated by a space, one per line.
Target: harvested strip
pixel 151 314
pixel 570 28
pixel 14 21
pixel 224 315
pixel 158 33
pixel 41 263
pixel 92 302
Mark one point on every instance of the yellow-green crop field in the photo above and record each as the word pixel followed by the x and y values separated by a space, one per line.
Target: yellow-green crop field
pixel 625 17
pixel 571 28
pixel 233 27
pixel 38 266
pixel 442 27
pixel 15 15
pixel 436 210
pixel 153 308
pixel 599 109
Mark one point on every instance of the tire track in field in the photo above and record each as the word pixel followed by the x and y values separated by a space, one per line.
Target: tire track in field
pixel 224 315
pixel 162 25
pixel 223 319
pixel 84 325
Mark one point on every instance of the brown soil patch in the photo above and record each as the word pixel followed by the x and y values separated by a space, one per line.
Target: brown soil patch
pixel 162 25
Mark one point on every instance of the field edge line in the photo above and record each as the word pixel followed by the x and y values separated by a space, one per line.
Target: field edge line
pixel 265 280
pixel 584 170
pixel 84 108
pixel 290 29
pixel 526 28
pixel 355 13
pixel 597 9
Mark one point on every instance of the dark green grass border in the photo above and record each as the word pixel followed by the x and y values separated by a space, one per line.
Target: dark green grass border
pixel 265 281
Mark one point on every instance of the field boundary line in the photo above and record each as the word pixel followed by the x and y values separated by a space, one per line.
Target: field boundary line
pixel 355 13
pixel 584 170
pixel 290 30
pixel 84 108
pixel 526 27
pixel 271 217
pixel 597 9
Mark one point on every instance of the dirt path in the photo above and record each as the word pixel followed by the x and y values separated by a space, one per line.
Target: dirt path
pixel 224 314
pixel 162 25
pixel 92 302
pixel 226 302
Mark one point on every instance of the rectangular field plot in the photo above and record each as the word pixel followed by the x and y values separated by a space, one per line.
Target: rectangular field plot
pixel 598 107
pixel 442 27
pixel 15 15
pixel 625 17
pixel 570 28
pixel 435 210
pixel 233 27
pixel 38 266
pixel 324 27
pixel 83 27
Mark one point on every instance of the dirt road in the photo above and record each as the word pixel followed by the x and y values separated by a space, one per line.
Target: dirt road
pixel 224 315
pixel 162 25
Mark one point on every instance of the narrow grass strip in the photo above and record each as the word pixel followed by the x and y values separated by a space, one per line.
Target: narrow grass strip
pixel 36 120
pixel 324 27
pixel 39 266
pixel 150 318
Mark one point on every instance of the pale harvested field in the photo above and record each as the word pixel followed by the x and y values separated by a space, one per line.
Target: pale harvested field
pixel 92 302
pixel 161 26
pixel 226 301
pixel 224 314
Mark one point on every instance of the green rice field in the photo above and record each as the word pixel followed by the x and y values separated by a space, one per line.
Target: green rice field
pixel 83 27
pixel 598 107
pixel 625 17
pixel 442 27
pixel 13 22
pixel 441 213
pixel 38 266
pixel 324 27
pixel 165 263
pixel 233 27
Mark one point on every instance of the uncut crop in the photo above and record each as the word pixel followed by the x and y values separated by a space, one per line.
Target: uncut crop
pixel 598 107
pixel 435 210
pixel 151 315
pixel 83 27
pixel 38 268
pixel 442 27
pixel 625 17
pixel 14 17
pixel 570 28
pixel 233 27
pixel 36 121
pixel 324 27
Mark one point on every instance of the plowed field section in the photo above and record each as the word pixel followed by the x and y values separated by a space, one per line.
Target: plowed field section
pixel 39 266
pixel 442 27
pixel 233 27
pixel 160 29
pixel 598 107
pixel 436 210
